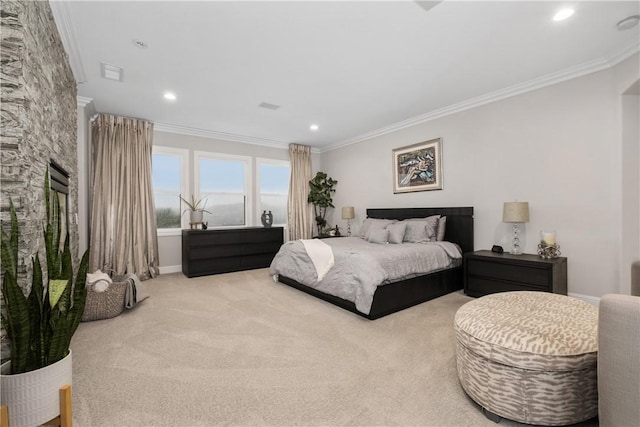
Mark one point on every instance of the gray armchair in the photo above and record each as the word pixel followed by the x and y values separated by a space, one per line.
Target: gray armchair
pixel 619 361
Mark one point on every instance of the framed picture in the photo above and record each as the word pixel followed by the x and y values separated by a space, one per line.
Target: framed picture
pixel 418 167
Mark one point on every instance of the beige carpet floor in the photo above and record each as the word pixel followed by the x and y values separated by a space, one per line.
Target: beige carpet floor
pixel 238 349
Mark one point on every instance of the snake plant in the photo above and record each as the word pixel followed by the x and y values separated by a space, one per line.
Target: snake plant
pixel 40 325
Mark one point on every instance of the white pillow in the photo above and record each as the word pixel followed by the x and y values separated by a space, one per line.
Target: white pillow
pixel 378 235
pixel 368 223
pixel 419 232
pixel 433 221
pixel 396 232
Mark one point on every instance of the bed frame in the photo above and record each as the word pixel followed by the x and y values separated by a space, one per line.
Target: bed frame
pixel 397 296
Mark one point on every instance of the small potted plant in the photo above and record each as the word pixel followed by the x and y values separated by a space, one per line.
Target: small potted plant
pixel 196 208
pixel 40 325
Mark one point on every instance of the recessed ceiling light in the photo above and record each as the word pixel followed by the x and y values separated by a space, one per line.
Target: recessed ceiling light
pixel 314 127
pixel 563 14
pixel 170 96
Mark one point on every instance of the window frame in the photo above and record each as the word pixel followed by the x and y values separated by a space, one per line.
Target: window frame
pixel 248 176
pixel 183 154
pixel 270 162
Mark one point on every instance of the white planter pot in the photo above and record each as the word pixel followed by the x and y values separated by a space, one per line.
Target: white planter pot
pixel 195 216
pixel 33 398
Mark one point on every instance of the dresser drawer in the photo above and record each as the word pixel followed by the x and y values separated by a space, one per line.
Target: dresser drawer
pixel 477 286
pixel 262 235
pixel 206 252
pixel 217 238
pixel 523 273
pixel 256 261
pixel 203 267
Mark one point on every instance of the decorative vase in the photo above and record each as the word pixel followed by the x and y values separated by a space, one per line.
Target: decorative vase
pixel 33 398
pixel 195 216
pixel 266 218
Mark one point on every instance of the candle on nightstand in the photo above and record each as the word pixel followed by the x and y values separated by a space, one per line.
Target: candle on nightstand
pixel 548 237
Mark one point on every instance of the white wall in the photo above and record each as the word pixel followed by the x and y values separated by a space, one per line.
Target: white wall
pixel 559 148
pixel 169 247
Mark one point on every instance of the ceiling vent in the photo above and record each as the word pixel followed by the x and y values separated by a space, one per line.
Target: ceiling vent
pixel 269 106
pixel 111 72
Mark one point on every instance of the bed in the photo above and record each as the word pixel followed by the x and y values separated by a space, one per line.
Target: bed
pixel 392 297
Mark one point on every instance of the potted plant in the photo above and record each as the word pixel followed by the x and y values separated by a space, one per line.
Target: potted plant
pixel 40 325
pixel 321 187
pixel 195 207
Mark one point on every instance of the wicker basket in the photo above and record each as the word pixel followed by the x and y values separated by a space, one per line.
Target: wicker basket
pixel 107 304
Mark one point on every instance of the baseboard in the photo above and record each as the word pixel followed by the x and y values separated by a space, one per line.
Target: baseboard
pixel 170 269
pixel 586 298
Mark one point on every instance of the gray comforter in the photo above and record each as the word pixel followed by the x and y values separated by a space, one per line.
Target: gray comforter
pixel 360 267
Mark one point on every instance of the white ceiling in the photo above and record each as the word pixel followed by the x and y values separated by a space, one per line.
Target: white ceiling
pixel 354 68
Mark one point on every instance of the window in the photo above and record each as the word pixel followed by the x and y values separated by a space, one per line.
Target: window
pixel 224 181
pixel 169 174
pixel 273 188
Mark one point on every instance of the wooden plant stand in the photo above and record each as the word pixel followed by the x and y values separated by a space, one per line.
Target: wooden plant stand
pixel 65 418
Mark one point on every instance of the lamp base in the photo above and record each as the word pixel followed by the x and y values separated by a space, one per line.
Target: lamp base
pixel 515 249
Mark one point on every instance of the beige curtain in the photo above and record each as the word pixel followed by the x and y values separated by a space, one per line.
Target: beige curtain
pixel 300 221
pixel 123 220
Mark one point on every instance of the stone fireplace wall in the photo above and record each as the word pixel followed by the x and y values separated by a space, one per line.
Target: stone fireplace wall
pixel 38 122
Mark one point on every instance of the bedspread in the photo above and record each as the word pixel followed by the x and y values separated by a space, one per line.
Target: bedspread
pixel 360 267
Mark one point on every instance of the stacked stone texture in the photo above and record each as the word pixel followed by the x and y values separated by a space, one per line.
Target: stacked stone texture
pixel 38 124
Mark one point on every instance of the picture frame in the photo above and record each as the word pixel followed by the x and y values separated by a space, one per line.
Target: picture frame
pixel 418 167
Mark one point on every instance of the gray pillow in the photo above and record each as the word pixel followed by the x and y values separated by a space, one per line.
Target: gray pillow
pixel 364 228
pixel 419 231
pixel 442 227
pixel 433 223
pixel 378 235
pixel 396 232
pixel 371 223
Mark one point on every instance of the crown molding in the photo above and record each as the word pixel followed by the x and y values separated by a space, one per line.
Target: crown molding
pixel 624 53
pixel 83 101
pixel 86 104
pixel 224 136
pixel 62 18
pixel 531 85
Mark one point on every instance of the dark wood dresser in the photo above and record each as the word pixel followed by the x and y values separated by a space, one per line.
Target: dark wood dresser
pixel 221 251
pixel 486 272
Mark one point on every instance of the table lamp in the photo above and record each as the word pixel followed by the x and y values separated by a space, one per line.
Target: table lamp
pixel 348 213
pixel 517 213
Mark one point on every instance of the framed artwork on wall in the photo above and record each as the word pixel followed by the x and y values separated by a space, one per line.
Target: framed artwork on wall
pixel 418 167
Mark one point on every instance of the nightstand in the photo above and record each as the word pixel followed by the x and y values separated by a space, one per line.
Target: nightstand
pixel 486 272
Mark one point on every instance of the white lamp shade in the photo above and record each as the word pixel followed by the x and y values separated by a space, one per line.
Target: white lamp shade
pixel 515 212
pixel 348 213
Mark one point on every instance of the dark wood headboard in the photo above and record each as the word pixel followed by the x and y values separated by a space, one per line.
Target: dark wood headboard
pixel 459 221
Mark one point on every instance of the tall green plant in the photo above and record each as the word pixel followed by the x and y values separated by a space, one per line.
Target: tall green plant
pixel 40 325
pixel 321 187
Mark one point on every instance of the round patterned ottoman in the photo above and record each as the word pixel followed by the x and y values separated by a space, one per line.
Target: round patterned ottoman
pixel 529 356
